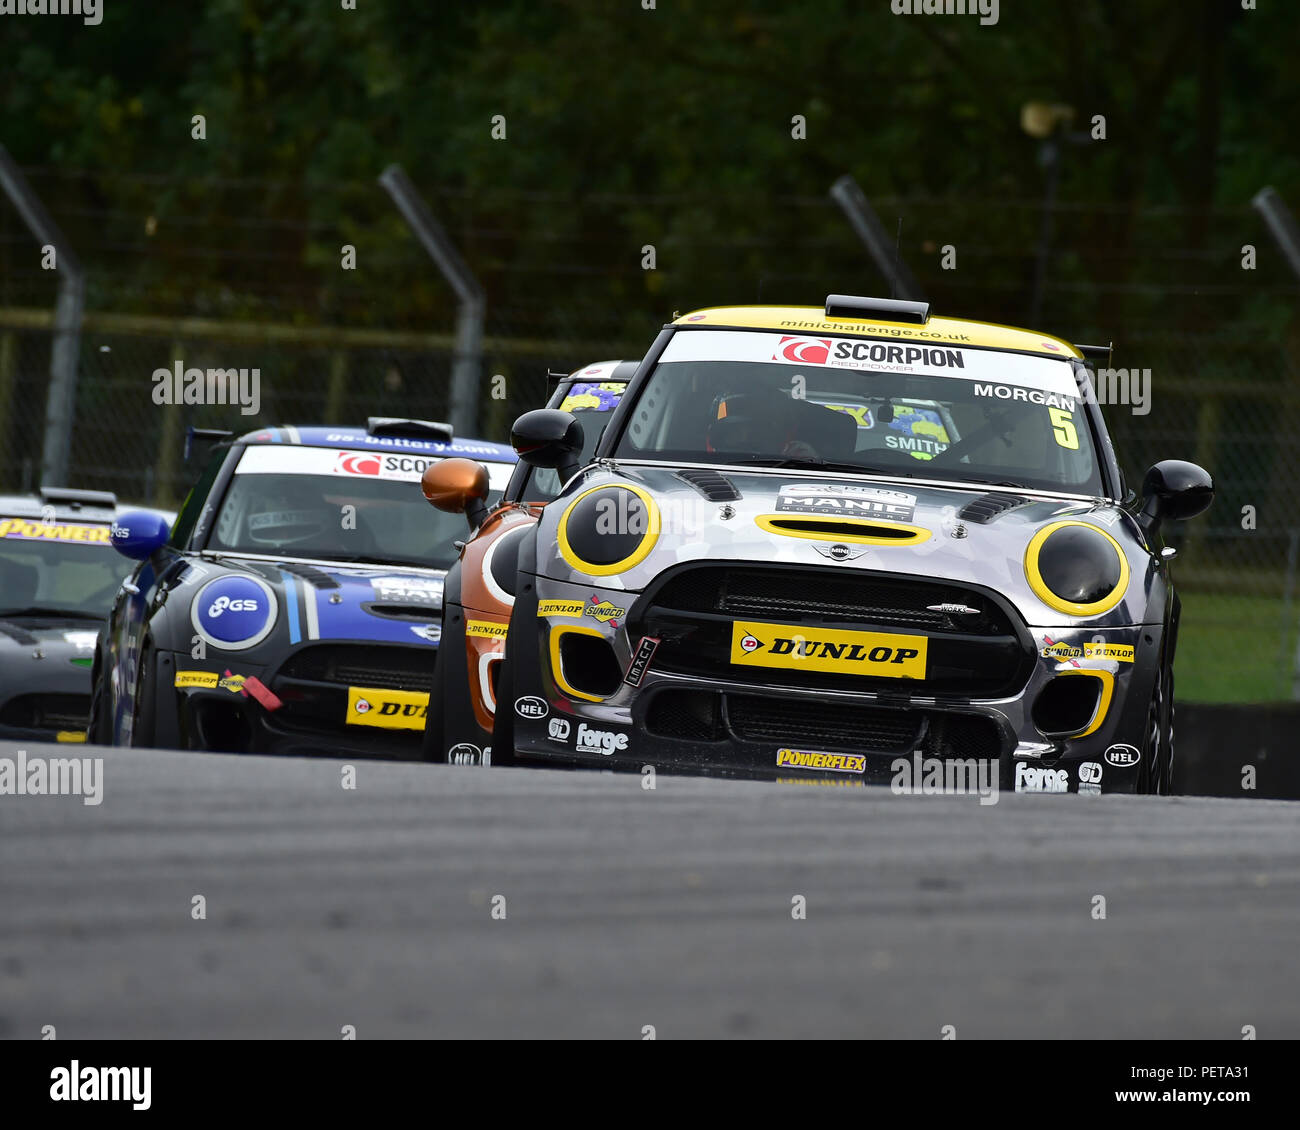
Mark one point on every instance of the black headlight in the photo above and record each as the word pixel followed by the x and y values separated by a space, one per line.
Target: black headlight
pixel 1076 568
pixel 608 529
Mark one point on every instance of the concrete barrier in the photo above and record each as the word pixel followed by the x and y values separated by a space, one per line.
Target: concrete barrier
pixel 1215 743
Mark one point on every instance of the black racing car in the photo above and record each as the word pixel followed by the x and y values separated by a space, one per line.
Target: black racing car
pixel 58 575
pixel 295 607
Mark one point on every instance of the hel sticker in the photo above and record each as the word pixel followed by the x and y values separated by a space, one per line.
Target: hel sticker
pixel 387 710
pixel 641 661
pixel 810 759
pixel 486 628
pixel 1123 756
pixel 48 531
pixel 843 498
pixel 196 679
pixel 560 608
pixel 530 706
pixel 880 654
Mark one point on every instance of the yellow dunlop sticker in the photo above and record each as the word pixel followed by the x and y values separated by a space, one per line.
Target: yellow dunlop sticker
pixel 388 710
pixel 196 679
pixel 70 736
pixel 45 531
pixel 560 607
pixel 827 649
pixel 486 628
pixel 1121 653
pixel 809 759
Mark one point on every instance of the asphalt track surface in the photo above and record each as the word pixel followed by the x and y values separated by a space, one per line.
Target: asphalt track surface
pixel 626 907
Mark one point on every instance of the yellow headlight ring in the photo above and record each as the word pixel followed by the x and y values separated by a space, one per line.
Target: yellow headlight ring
pixel 641 552
pixel 1036 582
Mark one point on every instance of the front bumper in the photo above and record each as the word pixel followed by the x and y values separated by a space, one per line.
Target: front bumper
pixel 307 712
pixel 722 718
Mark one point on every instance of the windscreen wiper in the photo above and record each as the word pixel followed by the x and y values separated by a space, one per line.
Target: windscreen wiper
pixel 817 465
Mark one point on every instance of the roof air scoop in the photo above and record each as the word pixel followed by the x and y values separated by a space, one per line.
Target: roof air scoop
pixel 877 309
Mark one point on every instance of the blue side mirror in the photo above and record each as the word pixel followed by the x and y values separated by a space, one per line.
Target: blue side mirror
pixel 139 534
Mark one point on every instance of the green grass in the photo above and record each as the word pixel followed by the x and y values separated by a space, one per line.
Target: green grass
pixel 1235 648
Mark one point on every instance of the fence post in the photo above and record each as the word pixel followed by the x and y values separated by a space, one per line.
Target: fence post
pixel 467 361
pixel 848 194
pixel 338 381
pixel 60 401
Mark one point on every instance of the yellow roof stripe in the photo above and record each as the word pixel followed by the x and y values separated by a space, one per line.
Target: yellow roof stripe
pixel 813 320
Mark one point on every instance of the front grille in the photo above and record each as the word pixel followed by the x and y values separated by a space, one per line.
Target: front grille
pixel 864 728
pixel 46 711
pixel 710 716
pixel 390 667
pixel 981 653
pixel 832 595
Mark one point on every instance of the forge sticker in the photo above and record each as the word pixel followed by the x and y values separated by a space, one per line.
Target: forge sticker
pixel 822 649
pixel 846 498
pixel 813 759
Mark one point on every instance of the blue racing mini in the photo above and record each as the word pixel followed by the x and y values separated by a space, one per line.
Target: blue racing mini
pixel 296 605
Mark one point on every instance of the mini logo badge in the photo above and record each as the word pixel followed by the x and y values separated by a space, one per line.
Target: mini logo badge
pixel 953 609
pixel 839 551
pixel 1123 756
pixel 558 729
pixel 530 706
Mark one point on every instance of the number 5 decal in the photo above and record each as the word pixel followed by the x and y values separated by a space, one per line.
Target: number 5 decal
pixel 1063 428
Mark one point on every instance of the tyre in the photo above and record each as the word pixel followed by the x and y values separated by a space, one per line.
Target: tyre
pixel 99 724
pixel 144 706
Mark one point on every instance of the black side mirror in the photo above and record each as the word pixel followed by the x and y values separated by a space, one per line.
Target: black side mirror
pixel 547 437
pixel 1174 489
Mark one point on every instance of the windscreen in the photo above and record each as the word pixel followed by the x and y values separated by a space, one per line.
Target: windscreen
pixel 932 411
pixel 338 505
pixel 57 568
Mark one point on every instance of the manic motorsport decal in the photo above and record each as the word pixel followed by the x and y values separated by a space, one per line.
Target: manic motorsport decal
pixel 845 498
